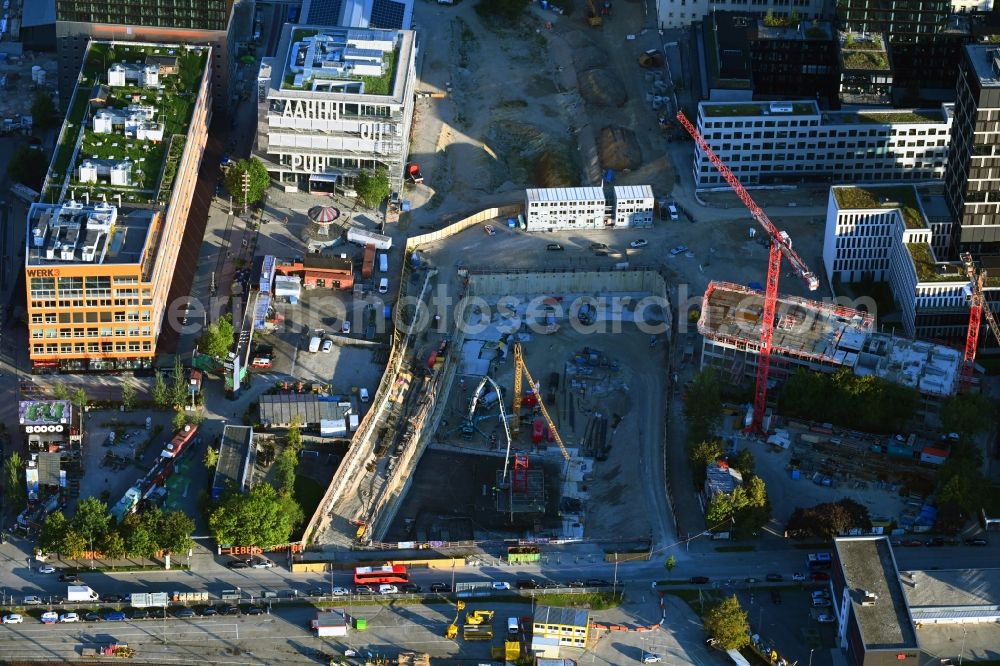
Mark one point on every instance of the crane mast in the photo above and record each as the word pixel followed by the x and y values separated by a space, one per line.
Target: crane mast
pixel 781 245
pixel 977 310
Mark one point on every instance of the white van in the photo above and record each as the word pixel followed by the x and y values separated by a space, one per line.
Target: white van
pixel 383 285
pixel 314 344
pixel 363 393
pixel 383 262
pixel 512 626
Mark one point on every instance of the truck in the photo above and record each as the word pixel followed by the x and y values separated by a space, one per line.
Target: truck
pixel 365 237
pixel 314 343
pixel 368 264
pixel 81 593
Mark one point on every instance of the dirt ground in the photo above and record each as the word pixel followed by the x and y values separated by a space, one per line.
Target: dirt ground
pixel 527 101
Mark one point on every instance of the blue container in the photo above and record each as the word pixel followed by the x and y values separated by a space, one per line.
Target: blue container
pixel 609 176
pixel 387 312
pixel 511 223
pixel 796 475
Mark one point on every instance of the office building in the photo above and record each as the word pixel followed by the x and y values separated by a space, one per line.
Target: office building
pixel 682 13
pixel 866 74
pixel 795 62
pixel 561 208
pixel 214 23
pixel 768 143
pixel 101 250
pixel 333 102
pixel 568 625
pixel 972 185
pixel 381 14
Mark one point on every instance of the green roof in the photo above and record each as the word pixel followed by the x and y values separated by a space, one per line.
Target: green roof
pixel 929 270
pixel 174 103
pixel 903 197
pixel 755 109
pixel 873 60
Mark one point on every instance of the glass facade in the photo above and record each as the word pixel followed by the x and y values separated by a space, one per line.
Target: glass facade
pixel 191 14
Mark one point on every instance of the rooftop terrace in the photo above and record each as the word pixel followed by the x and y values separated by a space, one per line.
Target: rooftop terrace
pixel 869 567
pixel 929 269
pixel 894 116
pixel 342 60
pixel 868 197
pixel 145 147
pixel 863 52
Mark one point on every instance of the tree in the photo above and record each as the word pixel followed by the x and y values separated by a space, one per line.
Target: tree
pixel 91 520
pixel 179 388
pixel 670 563
pixel 174 534
pixel 951 517
pixel 52 536
pixel 61 392
pixel 211 459
pixel 960 478
pixel 294 437
pixel 74 544
pixel 113 546
pixel 14 481
pixel 128 395
pixel 703 406
pixel 79 399
pixel 259 181
pixel 43 111
pixel 139 539
pixel 720 509
pixel 506 9
pixel 743 462
pixel 161 394
pixel 217 337
pixel 287 462
pixel 260 517
pixel 828 520
pixel 702 455
pixel 967 414
pixel 726 622
pixel 28 166
pixel 372 187
pixel 178 422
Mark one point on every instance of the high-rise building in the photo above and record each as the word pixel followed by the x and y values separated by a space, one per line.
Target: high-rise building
pixel 102 244
pixel 682 13
pixel 201 22
pixel 972 185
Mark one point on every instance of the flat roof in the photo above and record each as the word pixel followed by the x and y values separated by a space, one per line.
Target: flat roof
pixel 939 116
pixel 930 368
pixel 280 408
pixel 863 52
pixel 565 194
pixel 801 31
pixel 776 109
pixel 317 62
pixel 633 191
pixel 953 593
pixel 872 197
pixel 567 617
pixel 811 329
pixel 76 233
pixel 44 412
pixel 235 458
pixel 166 105
pixel 869 566
pixel 929 269
pixel 985 60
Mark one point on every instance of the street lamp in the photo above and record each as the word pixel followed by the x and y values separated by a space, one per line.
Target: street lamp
pixel 811 656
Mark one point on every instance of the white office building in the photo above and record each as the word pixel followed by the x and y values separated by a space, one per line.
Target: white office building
pixel 333 102
pixel 773 143
pixel 561 208
pixel 633 206
pixel 682 13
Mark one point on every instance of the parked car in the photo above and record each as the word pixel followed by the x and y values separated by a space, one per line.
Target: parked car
pixel 820 594
pixel 651 658
pixel 527 584
pixel 139 614
pixel 112 598
pixel 913 543
pixel 73 579
pixel 936 541
pixel 678 250
pixel 597 582
pixel 32 600
pixel 114 616
pixel 345 328
pixel 327 346
pixel 50 617
pixel 440 587
pixel 819 575
pixel 237 564
pixel 699 580
pixel 826 618
pixel 490 231
pixel 411 587
pixel 554 247
pixel 255 610
pixel 598 246
pixel 229 610
pixel 13 618
pixel 798 577
pixel 92 617
pixel 69 617
pixel 340 591
pixel 363 589
pixel 821 603
pixel 775 597
pixel 672 209
pixel 977 541
pixel 751 581
pixel 388 589
pixel 47 569
pixel 640 242
pixel 263 564
pixel 209 611
pixel 182 613
pixel 551 585
pixel 774 578
pixel 576 583
pixel 500 585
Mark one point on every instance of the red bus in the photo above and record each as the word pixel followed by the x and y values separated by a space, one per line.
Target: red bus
pixel 389 574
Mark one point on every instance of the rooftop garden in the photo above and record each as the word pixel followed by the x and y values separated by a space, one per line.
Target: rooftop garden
pixel 902 197
pixel 873 60
pixel 754 109
pixel 886 117
pixel 856 42
pixel 174 102
pixel 374 85
pixel 930 271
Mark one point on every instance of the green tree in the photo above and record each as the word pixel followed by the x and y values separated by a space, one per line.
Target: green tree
pixel 726 622
pixel 74 544
pixel 967 414
pixel 113 546
pixel 14 481
pixel 161 394
pixel 286 464
pixel 43 111
pixel 258 182
pixel 670 563
pixel 61 392
pixel 703 406
pixel 700 455
pixel 140 540
pixel 372 187
pixel 294 437
pixel 720 509
pixel 179 387
pixel 211 459
pixel 743 462
pixel 174 534
pixel 79 399
pixel 28 166
pixel 260 517
pixel 128 395
pixel 178 422
pixel 217 337
pixel 91 520
pixel 52 537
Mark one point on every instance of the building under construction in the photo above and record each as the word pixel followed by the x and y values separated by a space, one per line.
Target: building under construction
pixel 819 336
pixel 524 489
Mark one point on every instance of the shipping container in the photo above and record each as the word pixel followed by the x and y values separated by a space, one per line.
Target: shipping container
pixel 368 264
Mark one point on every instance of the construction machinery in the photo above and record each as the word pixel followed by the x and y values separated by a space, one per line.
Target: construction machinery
pixel 977 309
pixel 452 631
pixel 478 626
pixel 479 616
pixel 520 368
pixel 781 245
pixel 594 17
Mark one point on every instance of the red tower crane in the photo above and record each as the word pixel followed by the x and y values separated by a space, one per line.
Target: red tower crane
pixel 781 244
pixel 977 308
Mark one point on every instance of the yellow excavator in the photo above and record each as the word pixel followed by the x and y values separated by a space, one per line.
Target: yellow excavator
pixel 594 18
pixel 452 631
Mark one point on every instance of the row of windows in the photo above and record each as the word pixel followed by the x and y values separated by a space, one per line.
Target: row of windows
pixel 851 243
pixel 105 332
pixel 89 303
pixel 90 348
pixel 822 134
pixel 906 171
pixel 594 205
pixel 753 177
